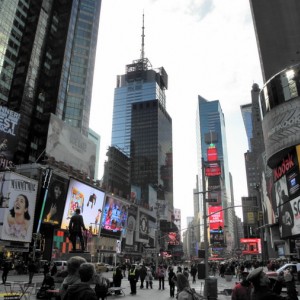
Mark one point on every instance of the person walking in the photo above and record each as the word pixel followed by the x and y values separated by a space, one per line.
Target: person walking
pixel 172 278
pixel 149 278
pixel 161 277
pixel 117 278
pixel 5 271
pixel 143 274
pixel 31 270
pixel 290 284
pixel 75 226
pixel 183 288
pixel 133 278
pixel 194 273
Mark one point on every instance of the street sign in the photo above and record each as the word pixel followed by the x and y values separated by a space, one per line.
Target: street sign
pixel 211 200
pixel 238 252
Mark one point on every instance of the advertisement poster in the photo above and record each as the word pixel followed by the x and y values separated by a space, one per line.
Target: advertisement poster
pixel 20 198
pixel 114 217
pixel 9 125
pixel 131 225
pixel 56 199
pixel 67 145
pixel 90 202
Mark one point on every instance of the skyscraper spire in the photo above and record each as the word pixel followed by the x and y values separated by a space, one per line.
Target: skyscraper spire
pixel 143 41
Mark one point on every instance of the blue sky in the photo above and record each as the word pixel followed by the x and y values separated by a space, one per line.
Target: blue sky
pixel 208 48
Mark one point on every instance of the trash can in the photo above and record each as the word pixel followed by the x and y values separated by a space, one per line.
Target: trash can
pixel 201 271
pixel 211 288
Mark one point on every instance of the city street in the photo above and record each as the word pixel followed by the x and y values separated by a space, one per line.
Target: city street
pixel 144 293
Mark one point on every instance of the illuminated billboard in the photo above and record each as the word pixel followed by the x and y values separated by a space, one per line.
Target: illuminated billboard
pixel 9 125
pixel 18 198
pixel 251 246
pixel 89 200
pixel 55 202
pixel 68 145
pixel 216 218
pixel 173 238
pixel 114 217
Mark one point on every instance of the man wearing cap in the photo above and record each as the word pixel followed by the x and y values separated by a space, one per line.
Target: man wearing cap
pixel 261 286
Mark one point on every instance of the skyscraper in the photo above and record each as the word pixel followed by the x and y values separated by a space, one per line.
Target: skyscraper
pixel 210 128
pixel 142 128
pixel 276 26
pixel 46 66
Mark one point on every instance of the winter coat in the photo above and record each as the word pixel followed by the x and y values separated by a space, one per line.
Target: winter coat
pixel 80 291
pixel 241 292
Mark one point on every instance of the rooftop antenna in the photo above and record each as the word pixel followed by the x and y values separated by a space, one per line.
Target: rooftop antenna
pixel 143 39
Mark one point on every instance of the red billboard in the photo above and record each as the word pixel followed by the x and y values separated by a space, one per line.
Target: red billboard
pixel 216 217
pixel 251 246
pixel 212 169
pixel 212 153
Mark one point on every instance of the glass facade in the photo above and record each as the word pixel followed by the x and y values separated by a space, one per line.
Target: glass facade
pixel 281 88
pixel 131 88
pixel 47 61
pixel 247 118
pixel 151 149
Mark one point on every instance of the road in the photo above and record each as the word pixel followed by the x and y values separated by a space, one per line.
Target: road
pixel 154 293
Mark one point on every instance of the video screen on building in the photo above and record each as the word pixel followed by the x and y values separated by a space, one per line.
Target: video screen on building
pixel 251 246
pixel 90 202
pixel 114 217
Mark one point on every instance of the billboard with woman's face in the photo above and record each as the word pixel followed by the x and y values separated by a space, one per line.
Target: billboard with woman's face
pixel 114 217
pixel 18 199
pixel 90 202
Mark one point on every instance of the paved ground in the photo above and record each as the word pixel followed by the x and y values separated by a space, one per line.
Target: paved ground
pixel 155 293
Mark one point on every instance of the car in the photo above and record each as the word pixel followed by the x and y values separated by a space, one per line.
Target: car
pixel 109 267
pixel 61 265
pixel 275 276
pixel 101 267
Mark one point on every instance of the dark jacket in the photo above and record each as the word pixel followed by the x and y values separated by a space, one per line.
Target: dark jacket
pixel 76 223
pixel 265 294
pixel 80 291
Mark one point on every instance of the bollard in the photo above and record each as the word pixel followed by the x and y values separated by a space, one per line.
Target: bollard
pixel 211 288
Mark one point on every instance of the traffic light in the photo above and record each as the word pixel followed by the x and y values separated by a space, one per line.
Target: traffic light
pixel 220 229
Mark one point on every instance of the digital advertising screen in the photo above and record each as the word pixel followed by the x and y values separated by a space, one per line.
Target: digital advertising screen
pixel 251 246
pixel 216 217
pixel 89 200
pixel 114 217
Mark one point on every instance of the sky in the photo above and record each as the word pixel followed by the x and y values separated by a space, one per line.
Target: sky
pixel 208 48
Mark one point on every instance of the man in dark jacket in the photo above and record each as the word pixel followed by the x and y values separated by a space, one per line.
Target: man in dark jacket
pixel 117 278
pixel 143 274
pixel 75 225
pixel 82 290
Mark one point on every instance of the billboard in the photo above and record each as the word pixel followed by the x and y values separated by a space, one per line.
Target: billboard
pixel 9 125
pixel 146 225
pixel 217 218
pixel 18 195
pixel 55 202
pixel 114 217
pixel 251 246
pixel 173 238
pixel 67 145
pixel 89 200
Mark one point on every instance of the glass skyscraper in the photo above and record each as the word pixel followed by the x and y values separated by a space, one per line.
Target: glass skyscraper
pixel 47 61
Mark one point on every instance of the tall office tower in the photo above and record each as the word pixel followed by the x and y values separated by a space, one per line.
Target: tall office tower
pixel 210 128
pixel 277 26
pixel 46 66
pixel 142 128
pixel 246 110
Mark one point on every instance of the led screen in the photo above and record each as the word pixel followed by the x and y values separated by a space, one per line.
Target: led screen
pixel 89 200
pixel 114 217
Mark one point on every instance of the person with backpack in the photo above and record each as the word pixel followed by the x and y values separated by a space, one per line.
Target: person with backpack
pixel 161 277
pixel 101 287
pixel 184 291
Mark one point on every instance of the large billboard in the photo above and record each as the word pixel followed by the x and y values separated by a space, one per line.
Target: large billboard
pixel 146 225
pixel 67 145
pixel 9 125
pixel 114 217
pixel 216 217
pixel 251 246
pixel 18 195
pixel 55 202
pixel 89 200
